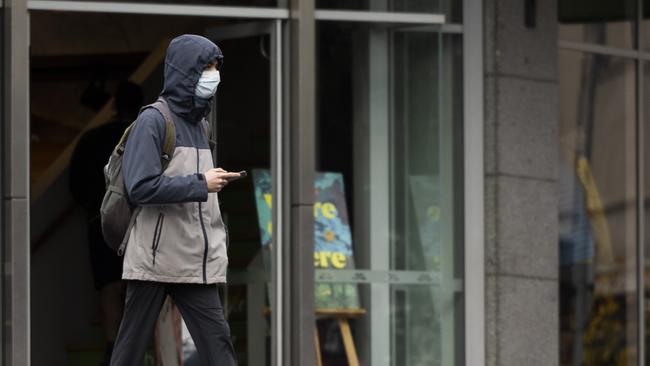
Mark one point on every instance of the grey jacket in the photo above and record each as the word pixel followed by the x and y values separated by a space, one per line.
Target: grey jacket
pixel 179 235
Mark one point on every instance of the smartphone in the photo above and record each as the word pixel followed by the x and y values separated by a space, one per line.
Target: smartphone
pixel 242 174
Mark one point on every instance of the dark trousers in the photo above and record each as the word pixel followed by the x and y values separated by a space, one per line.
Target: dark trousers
pixel 199 306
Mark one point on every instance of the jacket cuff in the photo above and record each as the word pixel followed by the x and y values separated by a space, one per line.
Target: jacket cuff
pixel 201 188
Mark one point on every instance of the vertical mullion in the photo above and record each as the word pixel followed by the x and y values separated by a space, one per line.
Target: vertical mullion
pixel 298 299
pixel 640 215
pixel 3 172
pixel 640 190
pixel 278 210
pixel 473 188
pixel 16 239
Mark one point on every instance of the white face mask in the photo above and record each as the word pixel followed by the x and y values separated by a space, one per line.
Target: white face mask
pixel 207 85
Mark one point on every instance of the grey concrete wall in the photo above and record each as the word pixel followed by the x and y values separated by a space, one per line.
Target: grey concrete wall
pixel 521 147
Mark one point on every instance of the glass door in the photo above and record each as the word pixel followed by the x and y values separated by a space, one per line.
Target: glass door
pixel 245 120
pixel 389 243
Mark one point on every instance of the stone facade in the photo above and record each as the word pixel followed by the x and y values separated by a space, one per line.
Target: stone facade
pixel 521 147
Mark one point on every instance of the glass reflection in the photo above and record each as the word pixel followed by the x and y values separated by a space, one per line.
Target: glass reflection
pixel 597 193
pixel 389 129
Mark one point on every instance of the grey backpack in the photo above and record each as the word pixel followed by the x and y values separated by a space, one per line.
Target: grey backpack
pixel 117 213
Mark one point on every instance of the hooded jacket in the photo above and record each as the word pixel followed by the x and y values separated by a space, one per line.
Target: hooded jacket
pixel 179 235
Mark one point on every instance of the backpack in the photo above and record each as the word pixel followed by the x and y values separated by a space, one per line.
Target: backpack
pixel 117 213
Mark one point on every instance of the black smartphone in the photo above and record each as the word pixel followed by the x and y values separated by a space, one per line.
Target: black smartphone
pixel 242 174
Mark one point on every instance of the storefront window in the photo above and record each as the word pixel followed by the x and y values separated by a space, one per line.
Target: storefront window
pixel 389 244
pixel 598 210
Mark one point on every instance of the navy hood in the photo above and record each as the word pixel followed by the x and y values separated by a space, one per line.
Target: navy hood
pixel 187 56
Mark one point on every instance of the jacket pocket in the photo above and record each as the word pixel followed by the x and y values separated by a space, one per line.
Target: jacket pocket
pixel 156 236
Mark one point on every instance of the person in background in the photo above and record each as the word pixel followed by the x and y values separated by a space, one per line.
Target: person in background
pixel 87 187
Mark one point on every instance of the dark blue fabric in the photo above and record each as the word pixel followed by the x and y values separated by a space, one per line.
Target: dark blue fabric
pixel 141 167
pixel 187 56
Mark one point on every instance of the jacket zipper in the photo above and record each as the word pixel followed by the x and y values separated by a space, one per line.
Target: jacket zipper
pixel 205 234
pixel 156 236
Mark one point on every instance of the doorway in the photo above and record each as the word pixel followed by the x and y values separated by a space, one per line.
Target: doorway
pixel 66 327
pixel 246 117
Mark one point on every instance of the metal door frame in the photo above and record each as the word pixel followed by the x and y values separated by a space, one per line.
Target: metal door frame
pixel 272 28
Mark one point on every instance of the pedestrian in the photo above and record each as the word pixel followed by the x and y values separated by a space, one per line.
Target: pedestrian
pixel 87 186
pixel 177 246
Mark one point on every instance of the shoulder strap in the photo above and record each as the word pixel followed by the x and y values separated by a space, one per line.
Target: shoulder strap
pixel 122 143
pixel 170 132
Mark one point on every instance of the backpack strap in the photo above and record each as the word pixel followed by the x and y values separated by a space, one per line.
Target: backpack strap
pixel 170 132
pixel 168 152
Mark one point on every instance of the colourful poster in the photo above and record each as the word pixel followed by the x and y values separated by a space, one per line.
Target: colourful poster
pixel 333 239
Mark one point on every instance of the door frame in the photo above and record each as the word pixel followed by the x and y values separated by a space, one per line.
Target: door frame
pixel 274 29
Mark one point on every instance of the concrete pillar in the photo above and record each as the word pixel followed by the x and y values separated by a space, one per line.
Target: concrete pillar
pixel 521 147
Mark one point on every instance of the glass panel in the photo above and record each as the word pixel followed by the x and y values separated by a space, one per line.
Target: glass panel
pixel 453 9
pixel 243 119
pixel 597 210
pixel 389 197
pixel 412 339
pixel 603 22
pixel 76 61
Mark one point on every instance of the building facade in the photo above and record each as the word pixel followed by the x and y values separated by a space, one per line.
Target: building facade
pixel 459 182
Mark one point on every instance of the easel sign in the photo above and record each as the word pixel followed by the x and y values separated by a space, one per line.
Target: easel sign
pixel 332 248
pixel 333 238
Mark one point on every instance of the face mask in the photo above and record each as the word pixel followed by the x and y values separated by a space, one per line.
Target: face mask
pixel 207 85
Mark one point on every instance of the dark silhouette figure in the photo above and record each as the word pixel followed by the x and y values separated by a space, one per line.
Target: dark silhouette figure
pixel 87 186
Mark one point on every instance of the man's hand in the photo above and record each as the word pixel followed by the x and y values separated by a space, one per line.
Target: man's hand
pixel 217 179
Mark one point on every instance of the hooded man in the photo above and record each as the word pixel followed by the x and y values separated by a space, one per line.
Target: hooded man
pixel 177 246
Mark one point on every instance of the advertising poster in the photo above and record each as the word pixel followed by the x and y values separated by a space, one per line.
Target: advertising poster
pixel 333 238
